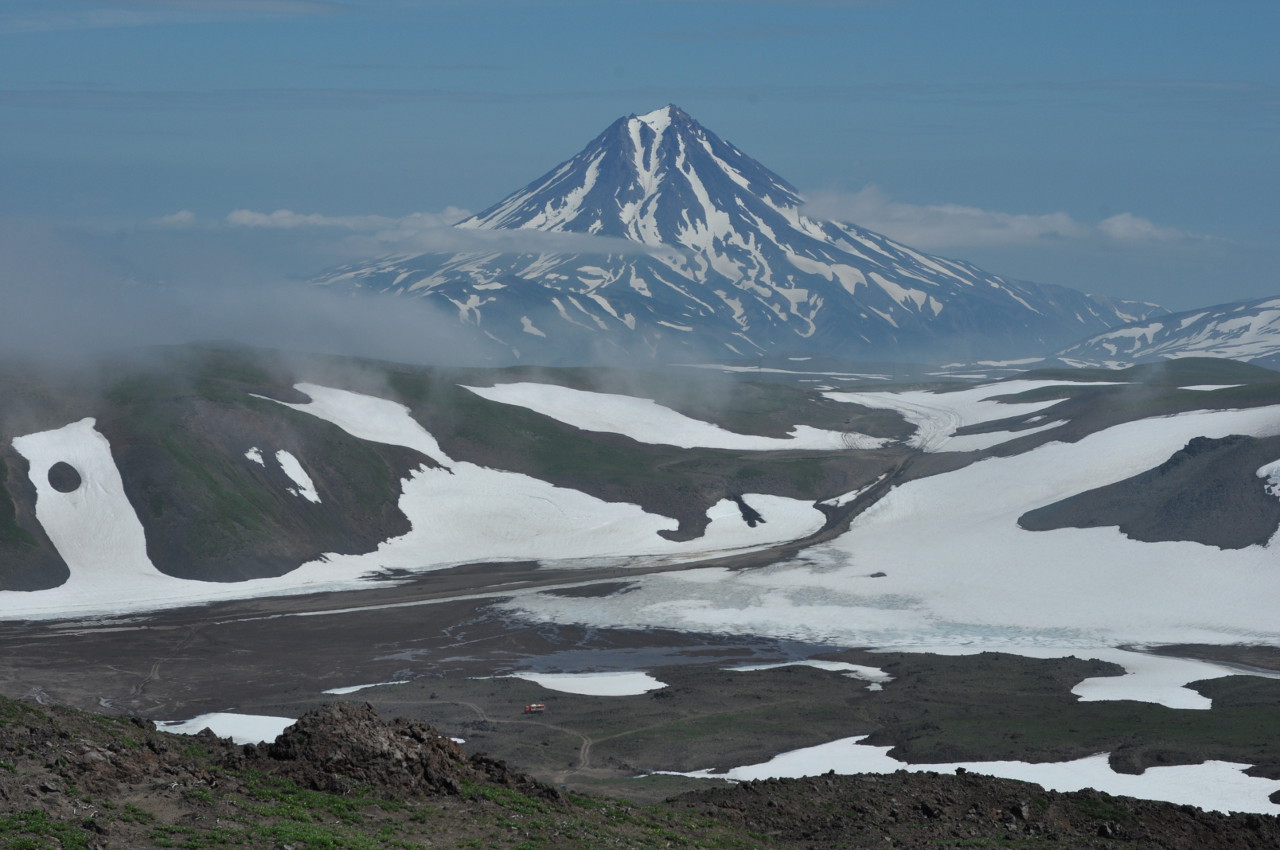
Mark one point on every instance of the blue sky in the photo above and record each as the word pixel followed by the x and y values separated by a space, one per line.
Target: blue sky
pixel 1125 147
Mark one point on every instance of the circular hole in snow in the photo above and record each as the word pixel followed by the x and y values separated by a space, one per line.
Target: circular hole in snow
pixel 64 478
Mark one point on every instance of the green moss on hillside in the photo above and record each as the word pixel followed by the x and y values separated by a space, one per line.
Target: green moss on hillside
pixel 11 534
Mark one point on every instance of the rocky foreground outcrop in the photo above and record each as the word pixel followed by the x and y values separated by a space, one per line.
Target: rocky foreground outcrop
pixel 343 777
pixel 343 746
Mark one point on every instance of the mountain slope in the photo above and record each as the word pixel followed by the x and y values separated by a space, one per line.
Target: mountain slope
pixel 1209 492
pixel 1248 330
pixel 198 469
pixel 700 249
pixel 343 777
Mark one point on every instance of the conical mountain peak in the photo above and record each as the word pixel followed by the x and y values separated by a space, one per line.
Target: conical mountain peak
pixel 660 178
pixel 660 119
pixel 738 266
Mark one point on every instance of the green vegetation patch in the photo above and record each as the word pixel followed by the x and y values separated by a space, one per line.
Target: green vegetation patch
pixel 285 799
pixel 35 830
pixel 10 532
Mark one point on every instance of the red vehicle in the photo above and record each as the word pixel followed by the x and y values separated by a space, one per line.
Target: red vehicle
pixel 535 708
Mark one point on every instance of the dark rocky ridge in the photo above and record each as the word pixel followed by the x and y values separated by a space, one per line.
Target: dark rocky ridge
pixel 28 559
pixel 341 777
pixel 1208 492
pixel 342 746
pixel 930 810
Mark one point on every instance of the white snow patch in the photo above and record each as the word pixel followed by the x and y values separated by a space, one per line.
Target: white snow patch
pixel 1210 387
pixel 1271 472
pixel 853 671
pixel 937 416
pixel 527 325
pixel 846 498
pixel 241 728
pixel 647 421
pixel 351 689
pixel 1154 678
pixel 94 528
pixel 621 684
pixel 255 454
pixel 658 120
pixel 1214 785
pixel 305 487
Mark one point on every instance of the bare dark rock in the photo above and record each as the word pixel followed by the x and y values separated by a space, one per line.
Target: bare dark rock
pixel 1207 492
pixel 340 746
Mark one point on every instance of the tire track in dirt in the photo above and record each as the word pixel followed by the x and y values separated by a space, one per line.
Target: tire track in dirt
pixel 583 751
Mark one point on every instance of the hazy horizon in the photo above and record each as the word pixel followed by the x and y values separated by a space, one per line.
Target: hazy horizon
pixel 223 147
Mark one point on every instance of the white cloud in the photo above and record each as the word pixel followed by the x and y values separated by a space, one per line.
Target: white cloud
pixel 182 218
pixel 948 226
pixel 1127 227
pixel 289 220
pixel 421 233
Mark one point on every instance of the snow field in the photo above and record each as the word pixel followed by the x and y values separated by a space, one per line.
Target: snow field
pixel 524 517
pixel 646 421
pixel 1215 785
pixel 94 528
pixel 241 728
pixel 960 573
pixel 351 689
pixel 937 416
pixel 620 684
pixel 462 514
pixel 874 675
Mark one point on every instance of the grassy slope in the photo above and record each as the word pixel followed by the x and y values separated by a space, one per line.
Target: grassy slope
pixel 180 436
pixel 75 780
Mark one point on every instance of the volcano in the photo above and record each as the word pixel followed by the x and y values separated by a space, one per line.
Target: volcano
pixel 660 238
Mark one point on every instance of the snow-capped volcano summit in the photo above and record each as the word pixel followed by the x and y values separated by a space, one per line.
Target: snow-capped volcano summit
pixel 711 252
pixel 660 179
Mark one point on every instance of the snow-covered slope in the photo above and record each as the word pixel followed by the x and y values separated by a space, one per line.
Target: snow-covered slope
pixel 256 484
pixel 649 422
pixel 942 561
pixel 700 248
pixel 1248 331
pixel 96 530
pixel 271 484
